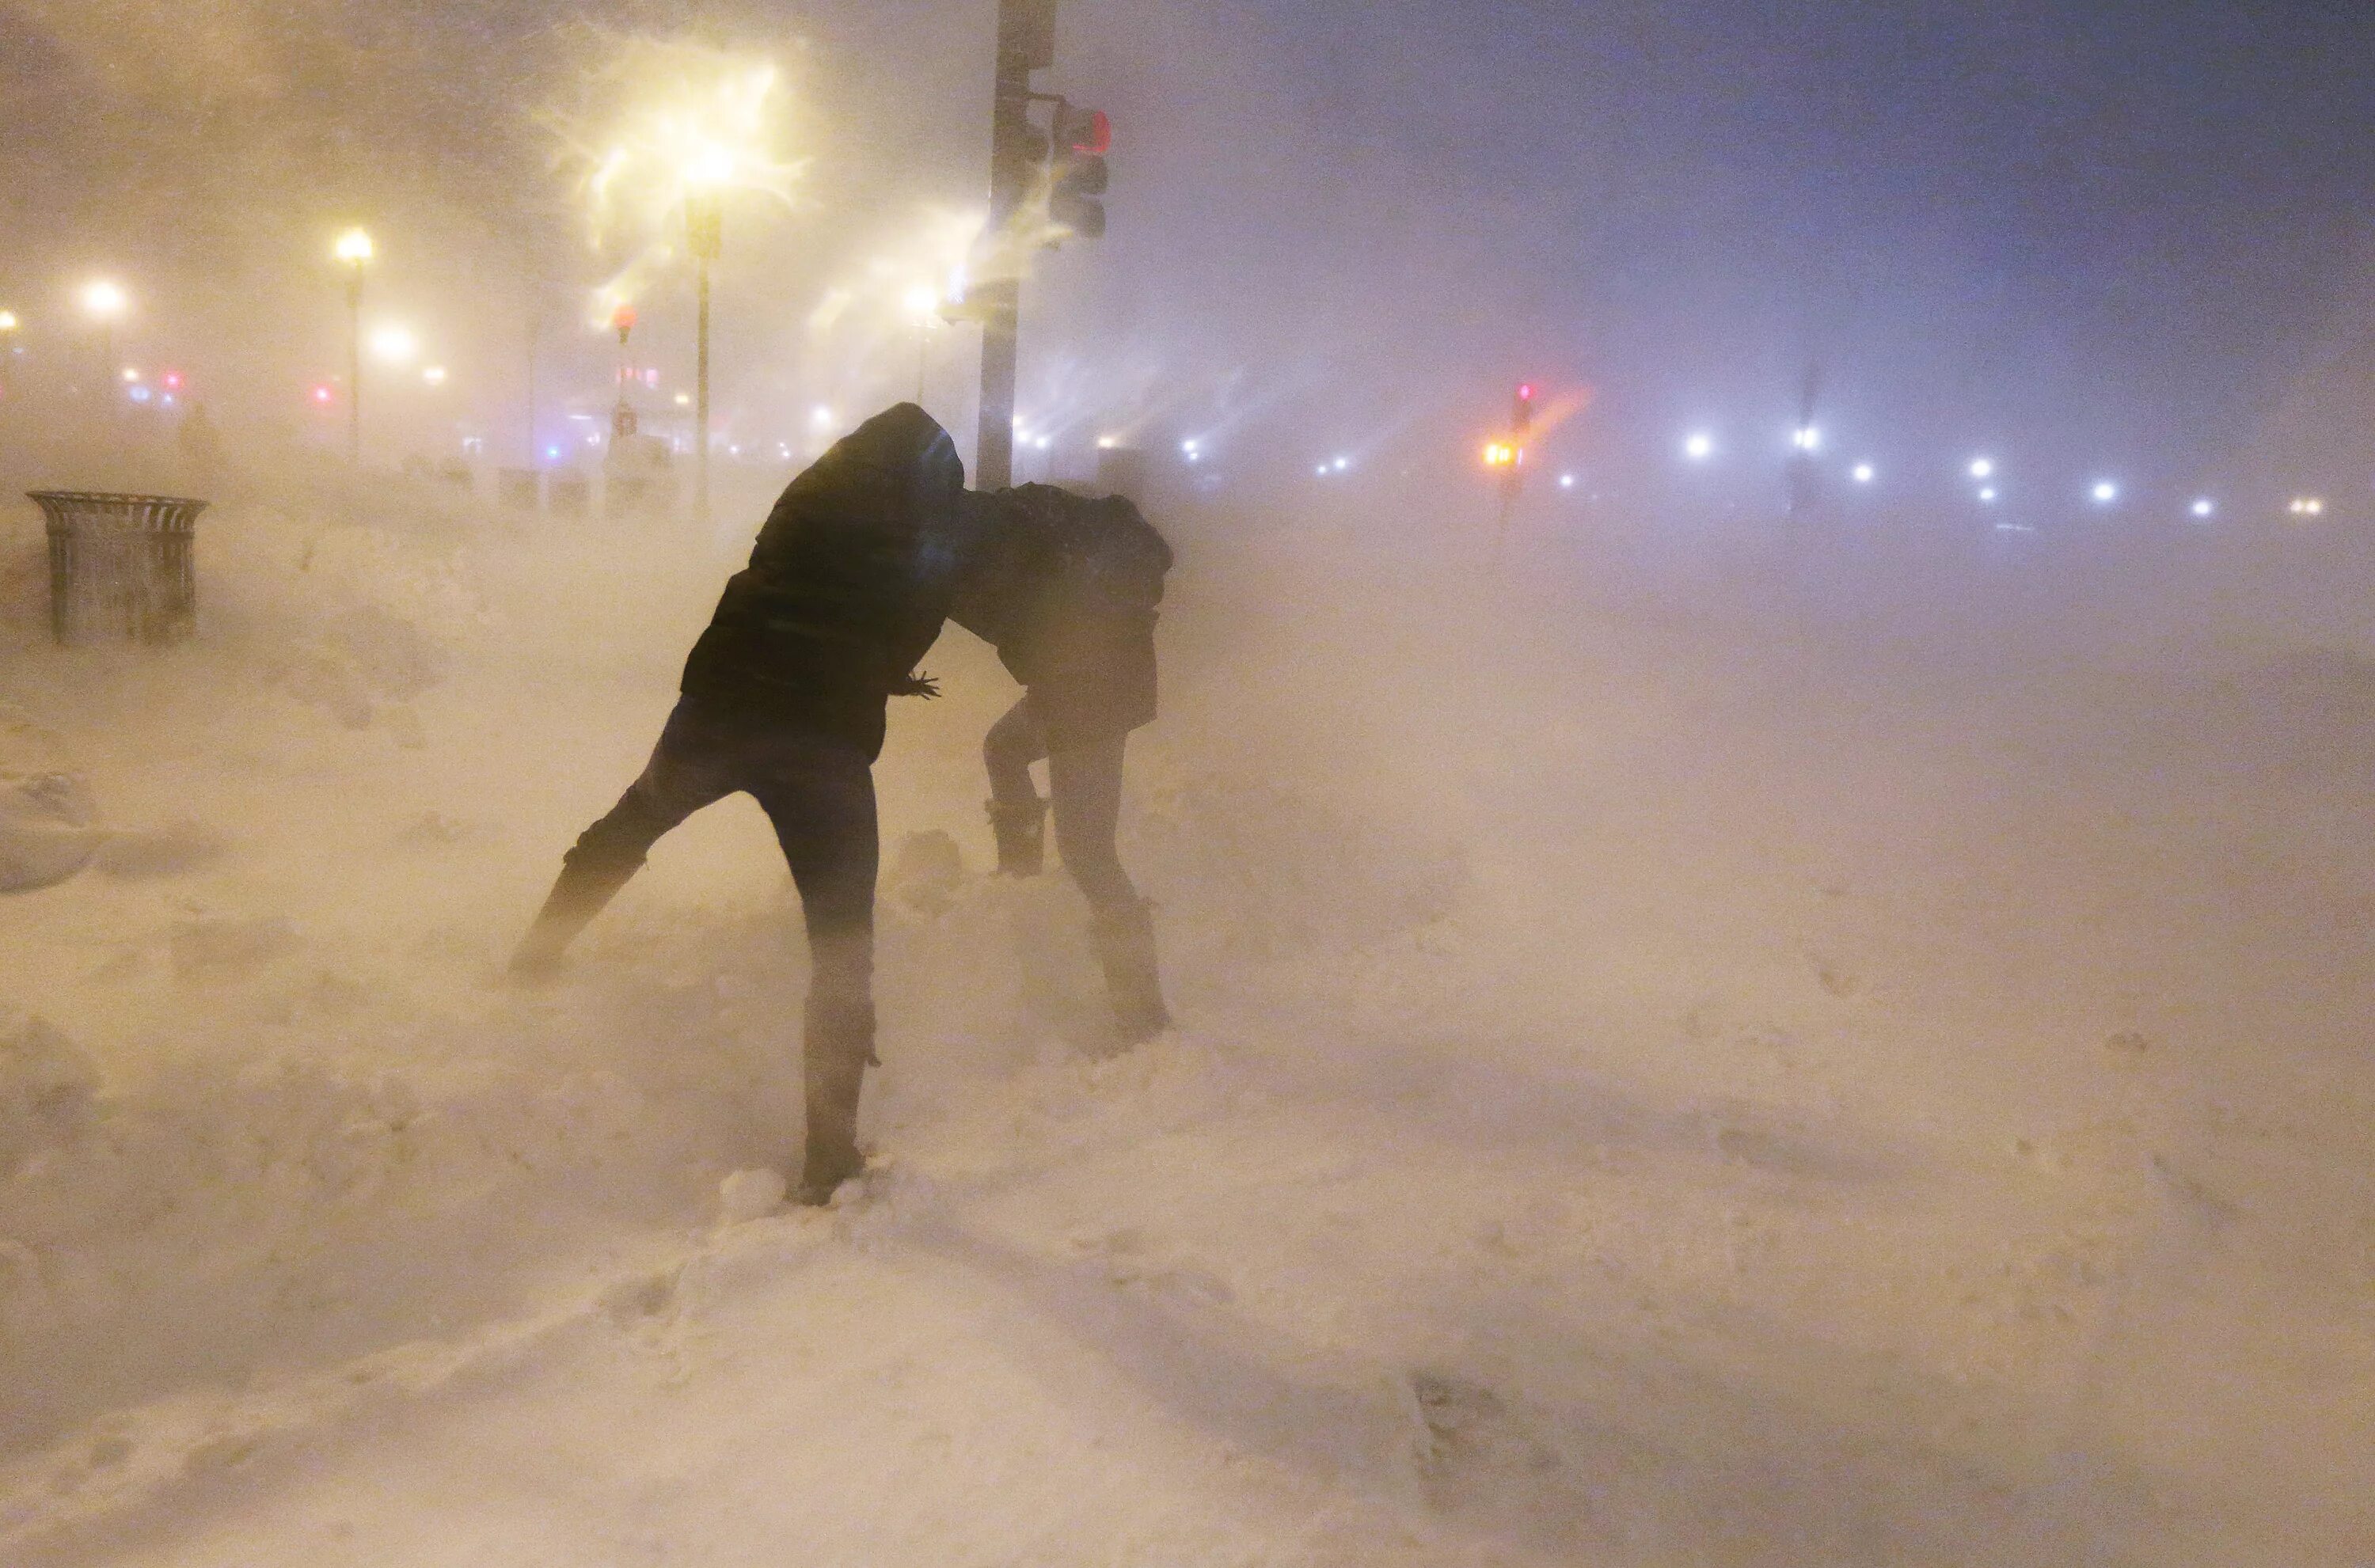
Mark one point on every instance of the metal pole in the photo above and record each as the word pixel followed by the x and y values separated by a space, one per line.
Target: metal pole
pixel 535 331
pixel 355 363
pixel 1026 43
pixel 701 410
pixel 993 460
pixel 705 232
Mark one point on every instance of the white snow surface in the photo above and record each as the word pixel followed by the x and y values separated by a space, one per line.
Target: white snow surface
pixel 1672 1070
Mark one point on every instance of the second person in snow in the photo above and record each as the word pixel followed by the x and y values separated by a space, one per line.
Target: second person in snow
pixel 1065 588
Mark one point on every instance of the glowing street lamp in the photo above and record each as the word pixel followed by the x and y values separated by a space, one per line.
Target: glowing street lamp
pixel 1806 438
pixel 353 250
pixel 1698 446
pixel 2105 493
pixel 1864 474
pixel 394 344
pixel 1982 468
pixel 2205 508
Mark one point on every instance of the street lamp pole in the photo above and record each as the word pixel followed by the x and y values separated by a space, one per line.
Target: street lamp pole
pixel 704 235
pixel 354 248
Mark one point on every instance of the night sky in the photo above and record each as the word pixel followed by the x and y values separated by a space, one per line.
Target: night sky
pixel 2131 230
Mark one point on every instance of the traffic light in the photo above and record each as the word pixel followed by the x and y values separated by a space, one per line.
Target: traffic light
pixel 1076 171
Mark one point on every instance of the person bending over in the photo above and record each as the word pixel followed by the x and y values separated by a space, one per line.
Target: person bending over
pixel 783 697
pixel 1065 588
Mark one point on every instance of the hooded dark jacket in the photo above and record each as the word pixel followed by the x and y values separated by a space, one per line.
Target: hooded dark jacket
pixel 846 588
pixel 1065 588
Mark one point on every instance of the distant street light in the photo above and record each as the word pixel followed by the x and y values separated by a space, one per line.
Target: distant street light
pixel 394 344
pixel 1806 438
pixel 2205 507
pixel 1699 447
pixel 1988 494
pixel 1982 468
pixel 434 375
pixel 354 249
pixel 2105 493
pixel 1864 474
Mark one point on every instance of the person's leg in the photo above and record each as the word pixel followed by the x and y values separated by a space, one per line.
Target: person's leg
pixel 1017 816
pixel 820 795
pixel 1086 785
pixel 684 775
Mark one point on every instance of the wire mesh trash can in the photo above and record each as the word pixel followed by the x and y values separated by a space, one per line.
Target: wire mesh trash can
pixel 120 565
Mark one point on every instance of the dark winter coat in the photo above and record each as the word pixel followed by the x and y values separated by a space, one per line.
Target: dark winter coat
pixel 848 586
pixel 1065 588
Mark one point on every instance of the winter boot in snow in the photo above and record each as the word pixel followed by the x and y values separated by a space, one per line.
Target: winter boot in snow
pixel 589 879
pixel 1123 936
pixel 1022 830
pixel 839 1046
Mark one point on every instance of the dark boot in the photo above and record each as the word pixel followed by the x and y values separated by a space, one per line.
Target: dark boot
pixel 1123 936
pixel 840 1043
pixel 589 879
pixel 1022 830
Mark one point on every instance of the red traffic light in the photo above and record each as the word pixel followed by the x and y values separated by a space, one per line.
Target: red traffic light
pixel 1526 392
pixel 1088 131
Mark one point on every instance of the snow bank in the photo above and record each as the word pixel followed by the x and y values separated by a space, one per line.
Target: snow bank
pixel 1672 1069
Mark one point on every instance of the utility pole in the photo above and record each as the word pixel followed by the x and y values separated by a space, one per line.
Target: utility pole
pixel 705 224
pixel 1026 43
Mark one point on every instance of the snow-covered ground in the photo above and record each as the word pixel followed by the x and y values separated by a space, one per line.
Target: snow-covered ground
pixel 1673 1070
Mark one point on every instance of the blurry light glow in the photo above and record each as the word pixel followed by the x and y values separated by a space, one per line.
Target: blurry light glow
pixel 684 399
pixel 1699 447
pixel 354 247
pixel 171 380
pixel 2205 507
pixel 394 343
pixel 1989 493
pixel 923 302
pixel 1321 469
pixel 1566 481
pixel 1191 446
pixel 1981 469
pixel 2105 493
pixel 1342 463
pixel 104 300
pixel 138 395
pixel 1500 454
pixel 1107 443
pixel 7 321
pixel 2308 506
pixel 1864 474
pixel 322 395
pixel 434 375
pixel 1806 438
pixel 819 415
pixel 130 374
pixel 1043 442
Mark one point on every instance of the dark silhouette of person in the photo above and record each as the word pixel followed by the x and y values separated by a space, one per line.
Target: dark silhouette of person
pixel 1065 588
pixel 783 697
